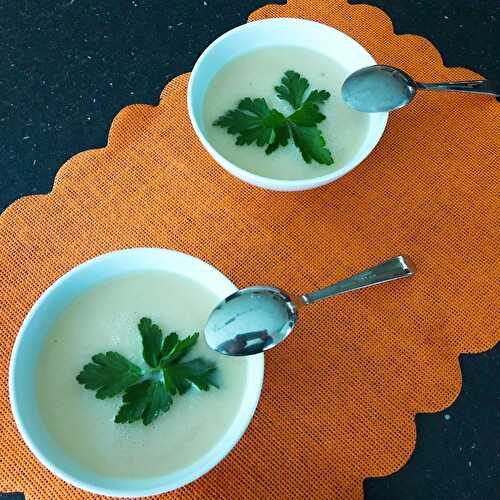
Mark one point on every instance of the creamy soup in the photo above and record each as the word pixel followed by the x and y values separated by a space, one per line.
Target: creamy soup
pixel 105 319
pixel 255 75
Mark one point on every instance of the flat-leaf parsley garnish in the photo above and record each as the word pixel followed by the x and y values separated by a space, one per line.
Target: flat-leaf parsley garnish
pixel 253 121
pixel 148 393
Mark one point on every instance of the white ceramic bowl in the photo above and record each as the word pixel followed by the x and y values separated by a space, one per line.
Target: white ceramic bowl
pixel 29 343
pixel 271 33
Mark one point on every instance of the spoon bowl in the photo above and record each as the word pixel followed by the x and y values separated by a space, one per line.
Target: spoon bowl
pixel 378 88
pixel 251 320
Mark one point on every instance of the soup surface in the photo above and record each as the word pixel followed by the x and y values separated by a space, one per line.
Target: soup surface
pixel 105 319
pixel 255 75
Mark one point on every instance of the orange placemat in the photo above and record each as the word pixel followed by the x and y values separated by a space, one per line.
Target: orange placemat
pixel 341 394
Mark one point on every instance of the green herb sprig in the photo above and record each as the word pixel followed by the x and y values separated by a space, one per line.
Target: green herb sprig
pixel 255 122
pixel 148 393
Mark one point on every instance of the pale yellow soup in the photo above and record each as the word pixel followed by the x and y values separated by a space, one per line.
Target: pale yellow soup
pixel 255 75
pixel 105 319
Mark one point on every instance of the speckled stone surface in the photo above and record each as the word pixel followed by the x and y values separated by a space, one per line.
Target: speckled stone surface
pixel 67 68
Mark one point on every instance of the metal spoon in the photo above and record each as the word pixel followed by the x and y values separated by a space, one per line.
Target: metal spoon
pixel 255 319
pixel 384 88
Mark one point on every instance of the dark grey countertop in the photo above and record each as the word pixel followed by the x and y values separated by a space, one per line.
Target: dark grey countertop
pixel 68 66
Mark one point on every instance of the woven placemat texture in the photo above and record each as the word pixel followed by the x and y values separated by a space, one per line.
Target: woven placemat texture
pixel 341 393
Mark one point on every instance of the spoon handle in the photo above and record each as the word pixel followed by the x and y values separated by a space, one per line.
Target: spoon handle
pixel 392 269
pixel 489 87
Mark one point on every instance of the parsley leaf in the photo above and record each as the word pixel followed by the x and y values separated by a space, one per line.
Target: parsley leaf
pixel 151 342
pixel 308 115
pixel 109 374
pixel 282 137
pixel 318 97
pixel 292 89
pixel 180 376
pixel 146 401
pixel 146 396
pixel 254 122
pixel 169 343
pixel 180 349
pixel 311 144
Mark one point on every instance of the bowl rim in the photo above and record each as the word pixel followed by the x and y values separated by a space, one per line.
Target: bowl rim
pixel 260 180
pixel 207 461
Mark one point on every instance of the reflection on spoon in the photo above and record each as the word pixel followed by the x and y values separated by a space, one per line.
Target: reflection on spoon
pixel 243 345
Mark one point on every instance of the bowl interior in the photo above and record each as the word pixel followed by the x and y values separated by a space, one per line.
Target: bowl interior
pixel 30 341
pixel 285 33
